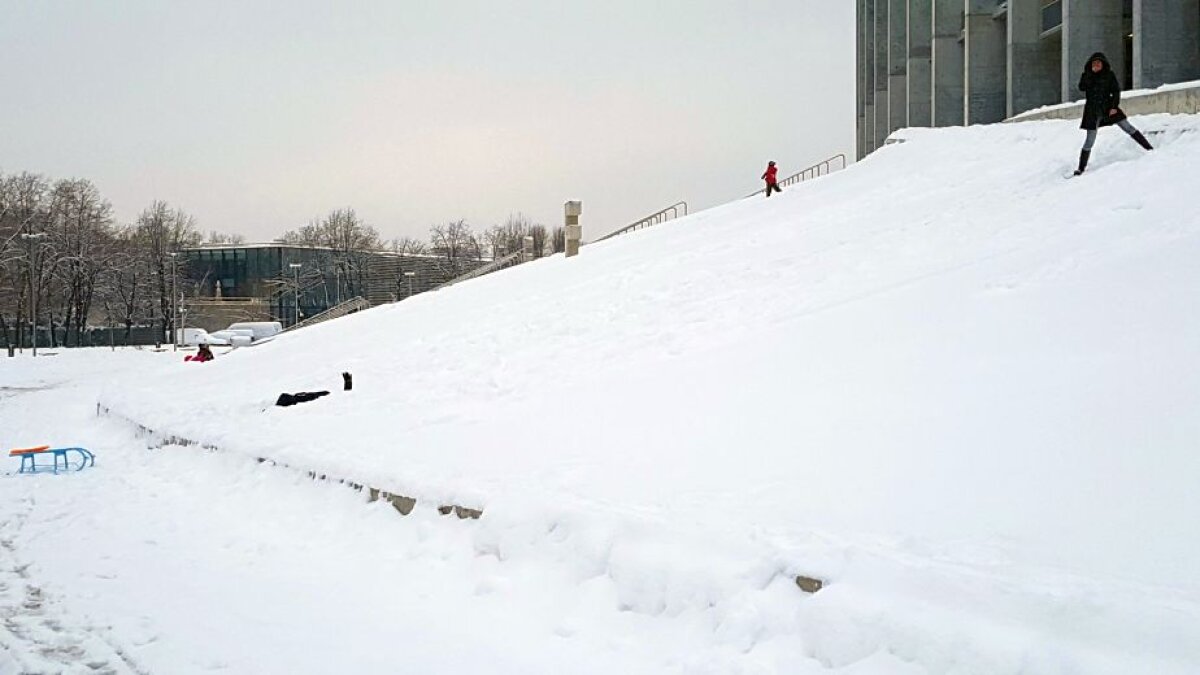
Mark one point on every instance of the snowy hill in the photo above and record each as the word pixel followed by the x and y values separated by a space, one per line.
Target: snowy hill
pixel 960 388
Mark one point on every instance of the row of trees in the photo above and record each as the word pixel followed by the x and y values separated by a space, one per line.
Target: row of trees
pixel 457 246
pixel 62 252
pixel 63 255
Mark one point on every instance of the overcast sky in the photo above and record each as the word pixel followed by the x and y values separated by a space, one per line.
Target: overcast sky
pixel 257 117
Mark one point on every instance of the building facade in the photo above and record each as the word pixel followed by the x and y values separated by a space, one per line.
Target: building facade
pixel 226 283
pixel 943 63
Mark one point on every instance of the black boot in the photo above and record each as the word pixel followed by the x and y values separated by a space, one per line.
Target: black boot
pixel 1141 140
pixel 1083 160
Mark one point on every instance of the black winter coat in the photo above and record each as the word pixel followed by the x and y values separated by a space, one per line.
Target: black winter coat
pixel 1103 94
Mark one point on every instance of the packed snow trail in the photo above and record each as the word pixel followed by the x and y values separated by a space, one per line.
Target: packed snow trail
pixel 953 385
pixel 39 632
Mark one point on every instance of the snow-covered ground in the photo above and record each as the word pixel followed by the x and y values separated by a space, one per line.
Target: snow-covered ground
pixel 957 387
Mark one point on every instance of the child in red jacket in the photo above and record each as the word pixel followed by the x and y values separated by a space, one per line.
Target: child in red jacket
pixel 769 176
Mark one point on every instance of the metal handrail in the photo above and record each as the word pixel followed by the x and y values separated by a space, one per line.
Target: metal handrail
pixel 670 213
pixel 232 299
pixel 815 171
pixel 495 265
pixel 350 306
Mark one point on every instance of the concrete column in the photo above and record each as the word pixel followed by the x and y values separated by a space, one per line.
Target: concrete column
pixel 947 68
pixel 920 63
pixel 881 72
pixel 866 90
pixel 986 64
pixel 1090 26
pixel 867 28
pixel 573 231
pixel 1033 61
pixel 897 64
pixel 1166 42
pixel 859 82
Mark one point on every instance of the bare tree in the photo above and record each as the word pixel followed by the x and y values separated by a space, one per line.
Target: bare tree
pixel 455 245
pixel 540 237
pixel 161 231
pixel 558 239
pixel 124 290
pixel 25 210
pixel 83 243
pixel 408 246
pixel 510 237
pixel 346 241
pixel 340 230
pixel 215 237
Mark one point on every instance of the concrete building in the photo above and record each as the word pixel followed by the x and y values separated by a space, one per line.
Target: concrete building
pixel 952 62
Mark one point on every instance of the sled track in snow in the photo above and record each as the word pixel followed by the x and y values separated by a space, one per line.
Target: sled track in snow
pixel 33 639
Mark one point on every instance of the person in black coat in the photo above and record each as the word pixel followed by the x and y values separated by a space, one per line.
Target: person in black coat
pixel 1102 107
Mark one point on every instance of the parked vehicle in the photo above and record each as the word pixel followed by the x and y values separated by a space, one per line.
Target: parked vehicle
pixel 241 334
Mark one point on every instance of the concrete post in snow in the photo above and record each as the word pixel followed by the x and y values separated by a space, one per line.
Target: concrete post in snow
pixel 573 230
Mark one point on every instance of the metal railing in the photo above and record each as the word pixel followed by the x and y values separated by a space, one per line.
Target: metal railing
pixel 350 306
pixel 494 266
pixel 670 213
pixel 815 171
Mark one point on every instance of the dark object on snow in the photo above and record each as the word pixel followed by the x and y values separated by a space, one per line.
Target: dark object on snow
pixel 809 584
pixel 347 381
pixel 299 397
pixel 1103 95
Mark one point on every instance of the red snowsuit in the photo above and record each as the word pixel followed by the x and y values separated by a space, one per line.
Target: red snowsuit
pixel 200 356
pixel 772 182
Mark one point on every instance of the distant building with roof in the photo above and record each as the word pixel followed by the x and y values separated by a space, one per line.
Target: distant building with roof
pixel 225 283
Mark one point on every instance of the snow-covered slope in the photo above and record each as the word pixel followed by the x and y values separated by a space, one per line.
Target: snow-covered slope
pixel 959 387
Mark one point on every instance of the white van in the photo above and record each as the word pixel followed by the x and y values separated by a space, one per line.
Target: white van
pixel 245 333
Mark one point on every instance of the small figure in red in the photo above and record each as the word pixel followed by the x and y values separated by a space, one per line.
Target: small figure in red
pixel 769 176
pixel 202 355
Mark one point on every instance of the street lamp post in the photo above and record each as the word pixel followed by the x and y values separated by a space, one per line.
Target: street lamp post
pixel 296 273
pixel 410 276
pixel 34 239
pixel 174 311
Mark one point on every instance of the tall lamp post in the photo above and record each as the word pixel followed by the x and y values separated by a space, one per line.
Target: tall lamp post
pixel 33 239
pixel 296 273
pixel 410 275
pixel 174 311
